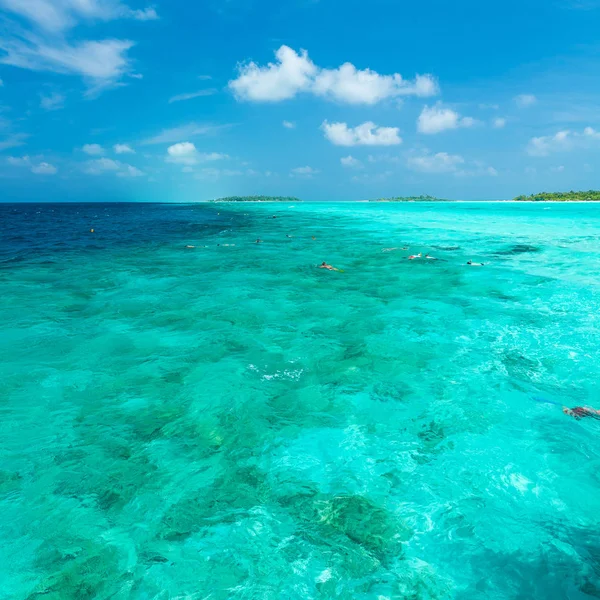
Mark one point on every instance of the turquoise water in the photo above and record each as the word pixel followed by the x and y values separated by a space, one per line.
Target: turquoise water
pixel 230 422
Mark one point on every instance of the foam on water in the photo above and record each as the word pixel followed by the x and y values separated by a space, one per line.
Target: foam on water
pixel 228 421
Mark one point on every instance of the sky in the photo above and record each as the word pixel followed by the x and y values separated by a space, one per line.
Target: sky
pixel 178 101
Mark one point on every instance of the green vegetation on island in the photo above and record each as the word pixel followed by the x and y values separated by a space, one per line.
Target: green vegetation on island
pixel 589 196
pixel 257 199
pixel 425 198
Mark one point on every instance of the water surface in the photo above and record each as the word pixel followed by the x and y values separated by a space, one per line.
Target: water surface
pixel 230 422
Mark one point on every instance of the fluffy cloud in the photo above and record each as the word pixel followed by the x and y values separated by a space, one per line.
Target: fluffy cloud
pixel 307 172
pixel 350 162
pixel 562 141
pixel 294 72
pixel 130 171
pixel 289 125
pixel 145 14
pixel 499 123
pixel 347 84
pixel 454 164
pixel 44 168
pixel 52 102
pixel 93 149
pixel 185 153
pixel 192 95
pixel 436 119
pixel 525 100
pixel 45 47
pixel 367 134
pixel 40 168
pixel 101 166
pixel 123 149
pixel 442 162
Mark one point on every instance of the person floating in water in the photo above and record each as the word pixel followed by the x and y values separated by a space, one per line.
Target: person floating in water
pixel 430 257
pixel 580 412
pixel 474 264
pixel 413 256
pixel 324 265
pixel 258 240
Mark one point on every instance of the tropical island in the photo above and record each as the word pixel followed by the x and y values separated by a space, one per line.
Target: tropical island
pixel 425 198
pixel 258 199
pixel 589 196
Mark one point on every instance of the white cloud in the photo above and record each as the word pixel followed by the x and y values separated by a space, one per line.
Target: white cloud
pixel 347 84
pixel 101 63
pixel 367 134
pixel 13 141
pixel 41 168
pixel 436 119
pixel 56 16
pixel 192 95
pixel 145 14
pixel 545 145
pixel 558 169
pixel 52 102
pixel 185 153
pixel 351 162
pixel 101 166
pixel 294 72
pixel 307 172
pixel 525 100
pixel 18 161
pixel 93 149
pixel 282 80
pixel 169 136
pixel 44 168
pixel 289 125
pixel 45 45
pixel 499 122
pixel 130 171
pixel 442 162
pixel 123 149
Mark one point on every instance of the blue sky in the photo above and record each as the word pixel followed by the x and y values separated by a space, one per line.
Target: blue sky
pixel 179 101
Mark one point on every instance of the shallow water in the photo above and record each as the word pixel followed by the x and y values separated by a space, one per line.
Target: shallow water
pixel 229 422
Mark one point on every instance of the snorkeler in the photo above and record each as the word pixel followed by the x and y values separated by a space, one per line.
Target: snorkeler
pixel 258 241
pixel 474 264
pixel 413 256
pixel 580 412
pixel 190 246
pixel 324 265
pixel 430 257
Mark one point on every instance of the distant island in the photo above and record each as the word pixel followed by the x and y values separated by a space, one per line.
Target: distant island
pixel 589 196
pixel 411 199
pixel 257 199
